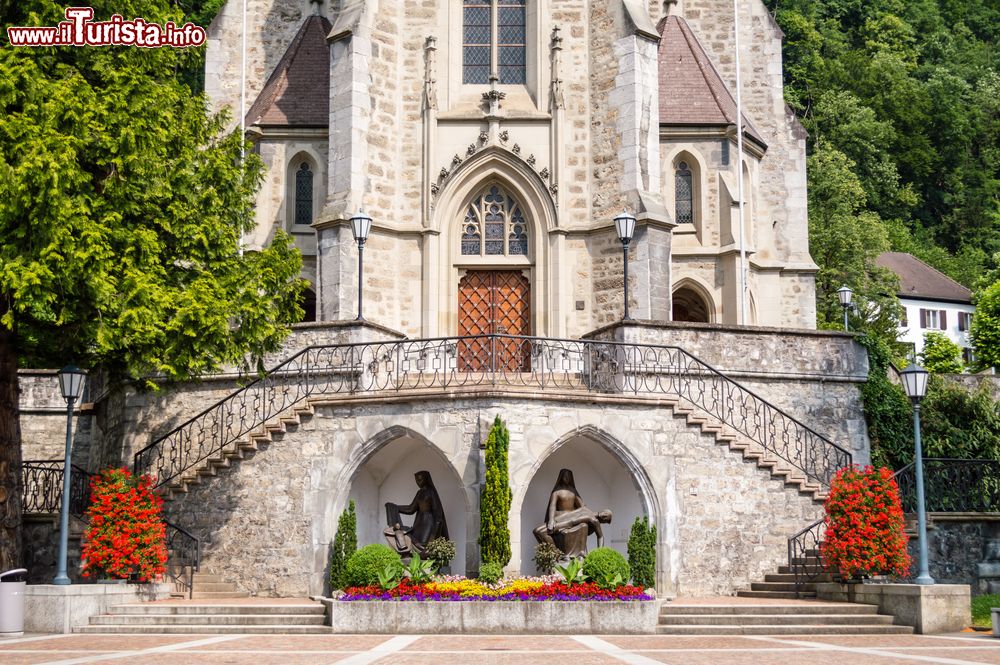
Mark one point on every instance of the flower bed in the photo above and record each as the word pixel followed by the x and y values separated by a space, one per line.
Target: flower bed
pixel 520 589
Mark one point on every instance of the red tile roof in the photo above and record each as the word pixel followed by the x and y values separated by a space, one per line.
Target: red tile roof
pixel 691 90
pixel 298 91
pixel 919 280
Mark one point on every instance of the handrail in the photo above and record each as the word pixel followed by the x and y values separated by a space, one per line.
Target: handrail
pixel 41 492
pixel 438 364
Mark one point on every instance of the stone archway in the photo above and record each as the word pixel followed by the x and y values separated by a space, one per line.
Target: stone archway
pixel 385 474
pixel 606 477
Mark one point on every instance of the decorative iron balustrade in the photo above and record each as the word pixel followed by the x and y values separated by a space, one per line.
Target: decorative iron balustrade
pixel 41 493
pixel 437 365
pixel 804 554
pixel 952 486
pixel 42 487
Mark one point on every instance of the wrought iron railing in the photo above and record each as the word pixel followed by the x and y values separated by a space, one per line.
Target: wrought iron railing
pixel 952 486
pixel 804 556
pixel 42 487
pixel 41 493
pixel 437 365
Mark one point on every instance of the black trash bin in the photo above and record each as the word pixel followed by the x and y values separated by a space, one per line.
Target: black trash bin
pixel 12 585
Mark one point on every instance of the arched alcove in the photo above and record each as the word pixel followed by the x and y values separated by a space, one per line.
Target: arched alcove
pixel 691 305
pixel 604 480
pixel 386 475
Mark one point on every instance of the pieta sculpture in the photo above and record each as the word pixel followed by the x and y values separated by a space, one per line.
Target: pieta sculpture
pixel 568 522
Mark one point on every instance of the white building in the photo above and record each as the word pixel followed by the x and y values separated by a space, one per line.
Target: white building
pixel 932 302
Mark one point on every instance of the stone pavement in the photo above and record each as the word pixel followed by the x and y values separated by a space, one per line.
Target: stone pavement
pixel 955 649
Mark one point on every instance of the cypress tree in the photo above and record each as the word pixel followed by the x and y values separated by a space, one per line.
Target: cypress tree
pixel 343 546
pixel 642 553
pixel 494 504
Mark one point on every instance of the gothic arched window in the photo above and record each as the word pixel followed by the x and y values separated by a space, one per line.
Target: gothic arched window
pixel 494 226
pixel 494 37
pixel 304 194
pixel 683 194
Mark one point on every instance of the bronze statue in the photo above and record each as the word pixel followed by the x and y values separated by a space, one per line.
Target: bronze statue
pixel 429 521
pixel 568 522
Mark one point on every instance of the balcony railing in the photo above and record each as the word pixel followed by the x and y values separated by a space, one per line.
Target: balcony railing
pixel 430 366
pixel 952 486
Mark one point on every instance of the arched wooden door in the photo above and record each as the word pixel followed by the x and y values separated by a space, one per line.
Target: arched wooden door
pixel 494 302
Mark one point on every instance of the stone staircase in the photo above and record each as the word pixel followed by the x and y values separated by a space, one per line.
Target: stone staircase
pixel 290 420
pixel 210 586
pixel 781 585
pixel 776 618
pixel 299 618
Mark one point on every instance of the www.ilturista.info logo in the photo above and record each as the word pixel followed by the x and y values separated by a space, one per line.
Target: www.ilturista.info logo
pixel 79 30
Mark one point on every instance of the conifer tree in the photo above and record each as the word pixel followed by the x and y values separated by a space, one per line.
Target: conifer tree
pixel 344 545
pixel 494 505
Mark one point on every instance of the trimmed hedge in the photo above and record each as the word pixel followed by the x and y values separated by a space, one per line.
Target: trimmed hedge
pixel 603 564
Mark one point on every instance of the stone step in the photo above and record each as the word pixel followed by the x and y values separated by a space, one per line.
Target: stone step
pixel 781 586
pixel 774 619
pixel 208 619
pixel 777 595
pixel 207 578
pixel 207 629
pixel 213 586
pixel 770 609
pixel 186 609
pixel 805 629
pixel 790 577
pixel 207 595
pixel 808 570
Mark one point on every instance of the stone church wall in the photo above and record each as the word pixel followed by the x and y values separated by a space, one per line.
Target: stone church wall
pixel 266 523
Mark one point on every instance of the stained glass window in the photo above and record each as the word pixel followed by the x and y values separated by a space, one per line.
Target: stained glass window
pixel 684 194
pixel 494 226
pixel 494 35
pixel 304 194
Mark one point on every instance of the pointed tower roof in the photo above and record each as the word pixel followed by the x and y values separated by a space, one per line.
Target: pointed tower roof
pixel 298 91
pixel 691 90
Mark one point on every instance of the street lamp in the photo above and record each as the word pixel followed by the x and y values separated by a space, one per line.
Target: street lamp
pixel 625 227
pixel 845 293
pixel 361 226
pixel 71 384
pixel 915 383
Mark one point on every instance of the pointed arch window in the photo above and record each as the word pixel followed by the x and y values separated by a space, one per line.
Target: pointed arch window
pixel 304 194
pixel 683 194
pixel 494 226
pixel 494 39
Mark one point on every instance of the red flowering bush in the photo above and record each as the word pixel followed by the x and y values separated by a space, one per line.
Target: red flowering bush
pixel 864 525
pixel 125 536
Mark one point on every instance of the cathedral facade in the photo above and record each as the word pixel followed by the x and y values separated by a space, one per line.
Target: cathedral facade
pixel 493 143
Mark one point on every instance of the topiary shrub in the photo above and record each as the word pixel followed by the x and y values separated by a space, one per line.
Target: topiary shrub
pixel 345 543
pixel 490 572
pixel 606 567
pixel 441 551
pixel 642 553
pixel 546 557
pixel 364 566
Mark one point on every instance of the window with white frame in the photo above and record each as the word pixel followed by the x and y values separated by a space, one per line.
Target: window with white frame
pixel 494 40
pixel 933 319
pixel 964 321
pixel 494 226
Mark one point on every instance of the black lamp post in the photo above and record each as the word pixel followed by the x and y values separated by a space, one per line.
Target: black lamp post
pixel 625 227
pixel 361 226
pixel 71 384
pixel 915 383
pixel 845 293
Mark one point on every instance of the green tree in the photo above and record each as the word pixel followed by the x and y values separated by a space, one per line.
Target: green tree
pixel 494 505
pixel 985 329
pixel 642 553
pixel 960 423
pixel 845 241
pixel 344 544
pixel 940 354
pixel 122 210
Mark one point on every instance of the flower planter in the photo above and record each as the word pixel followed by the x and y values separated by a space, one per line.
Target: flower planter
pixel 493 617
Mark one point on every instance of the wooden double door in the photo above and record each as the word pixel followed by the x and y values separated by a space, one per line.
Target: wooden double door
pixel 494 302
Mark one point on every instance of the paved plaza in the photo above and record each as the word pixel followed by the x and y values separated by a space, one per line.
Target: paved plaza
pixel 955 649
